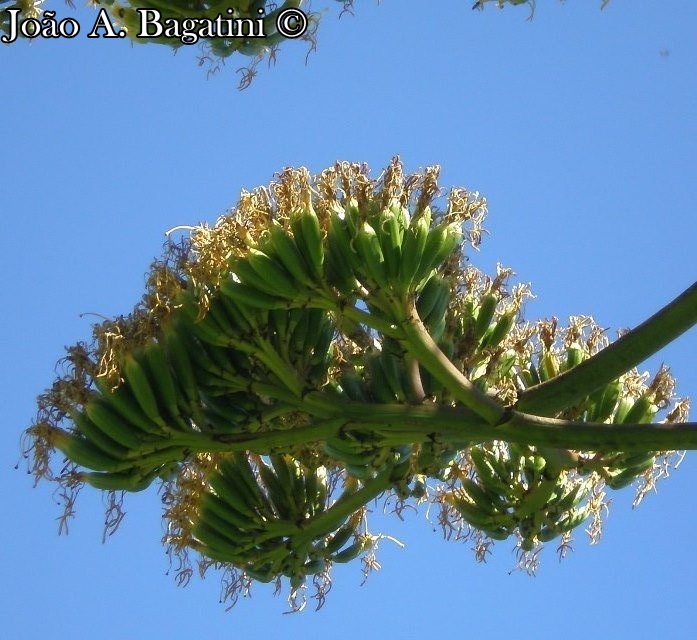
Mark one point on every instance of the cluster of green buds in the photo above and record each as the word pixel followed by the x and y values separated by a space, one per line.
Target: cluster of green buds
pixel 327 343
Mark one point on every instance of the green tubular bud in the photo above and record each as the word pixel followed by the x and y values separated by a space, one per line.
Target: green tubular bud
pixel 250 296
pixel 638 460
pixel 228 490
pixel 139 384
pixel 413 245
pixel 433 299
pixel 573 519
pixel 379 385
pixel 112 425
pixel 123 402
pixel 339 275
pixel 535 499
pixel 390 232
pixel 212 503
pixel 282 323
pixel 440 244
pixel 278 494
pixel 225 415
pixel 315 566
pixel 322 342
pixel 626 476
pixel 286 249
pixel 191 323
pixel 299 489
pixel 128 18
pixel 164 382
pixel 134 480
pixel 239 464
pixel 308 238
pixel 497 532
pixel 207 368
pixel 242 319
pixel 316 490
pixel 210 372
pixel 419 488
pixel 505 364
pixel 363 543
pixel 395 375
pixel 401 216
pixel 260 272
pixel 337 540
pixel 499 331
pixel 530 375
pixel 260 576
pixel 373 261
pixel 641 412
pixel 286 470
pixel 341 256
pixel 181 361
pixel 623 407
pixel 604 401
pixel 474 515
pixel 488 501
pixel 304 327
pixel 548 366
pixel 226 318
pixel 506 469
pixel 487 475
pixel 485 315
pixel 90 430
pixel 212 553
pixel 571 498
pixel 349 453
pixel 432 459
pixel 229 487
pixel 236 539
pixel 83 452
pixel 220 547
pixel 575 355
pixel 533 467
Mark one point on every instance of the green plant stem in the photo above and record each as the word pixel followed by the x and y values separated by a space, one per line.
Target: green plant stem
pixel 459 427
pixel 345 506
pixel 420 344
pixel 262 442
pixel 605 438
pixel 630 350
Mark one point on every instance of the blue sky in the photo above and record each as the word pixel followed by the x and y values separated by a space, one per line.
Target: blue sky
pixel 580 128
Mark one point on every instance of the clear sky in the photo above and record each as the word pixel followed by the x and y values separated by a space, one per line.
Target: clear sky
pixel 580 128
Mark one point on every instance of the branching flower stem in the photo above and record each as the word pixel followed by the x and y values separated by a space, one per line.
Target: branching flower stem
pixel 420 344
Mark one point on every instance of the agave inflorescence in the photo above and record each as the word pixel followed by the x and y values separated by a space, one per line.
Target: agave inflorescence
pixel 326 343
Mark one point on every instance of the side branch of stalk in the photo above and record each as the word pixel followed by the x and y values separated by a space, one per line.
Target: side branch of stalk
pixel 630 350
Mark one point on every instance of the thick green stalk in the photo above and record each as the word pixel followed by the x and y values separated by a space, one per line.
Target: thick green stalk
pixel 586 436
pixel 459 427
pixel 630 350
